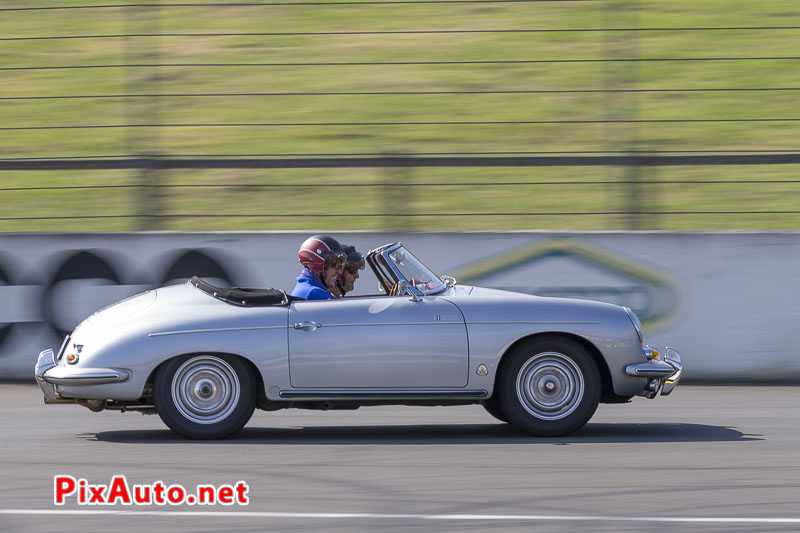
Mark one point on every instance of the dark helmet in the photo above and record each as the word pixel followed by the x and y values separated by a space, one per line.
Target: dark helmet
pixel 355 261
pixel 319 251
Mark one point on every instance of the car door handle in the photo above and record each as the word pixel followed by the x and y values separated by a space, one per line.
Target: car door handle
pixel 307 326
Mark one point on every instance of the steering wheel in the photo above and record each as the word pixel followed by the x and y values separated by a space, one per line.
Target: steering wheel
pixel 417 282
pixel 395 289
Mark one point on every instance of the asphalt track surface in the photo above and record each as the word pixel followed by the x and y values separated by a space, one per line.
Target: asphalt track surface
pixel 703 459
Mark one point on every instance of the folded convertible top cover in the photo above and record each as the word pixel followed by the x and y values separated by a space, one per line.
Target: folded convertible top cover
pixel 241 296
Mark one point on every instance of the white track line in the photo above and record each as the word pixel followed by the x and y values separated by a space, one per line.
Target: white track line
pixel 463 517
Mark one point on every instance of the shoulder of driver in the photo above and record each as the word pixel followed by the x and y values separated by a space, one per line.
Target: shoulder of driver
pixel 318 294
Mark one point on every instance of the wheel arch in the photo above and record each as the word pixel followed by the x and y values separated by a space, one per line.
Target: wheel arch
pixel 607 388
pixel 253 368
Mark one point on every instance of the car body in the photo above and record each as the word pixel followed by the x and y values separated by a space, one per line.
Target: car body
pixel 204 357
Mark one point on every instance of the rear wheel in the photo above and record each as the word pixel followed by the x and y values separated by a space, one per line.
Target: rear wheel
pixel 550 386
pixel 205 396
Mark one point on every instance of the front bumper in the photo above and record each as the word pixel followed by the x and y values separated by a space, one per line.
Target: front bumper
pixel 664 373
pixel 49 374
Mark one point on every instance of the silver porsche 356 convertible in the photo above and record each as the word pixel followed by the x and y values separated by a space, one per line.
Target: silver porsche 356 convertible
pixel 204 357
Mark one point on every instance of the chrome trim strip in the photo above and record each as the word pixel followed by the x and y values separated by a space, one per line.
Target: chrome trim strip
pixel 84 376
pixel 62 349
pixel 637 324
pixel 212 330
pixel 434 323
pixel 656 369
pixel 546 322
pixel 384 394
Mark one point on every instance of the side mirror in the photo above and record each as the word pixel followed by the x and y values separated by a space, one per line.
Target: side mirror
pixel 404 287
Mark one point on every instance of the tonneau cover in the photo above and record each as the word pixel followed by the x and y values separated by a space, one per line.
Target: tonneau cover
pixel 241 296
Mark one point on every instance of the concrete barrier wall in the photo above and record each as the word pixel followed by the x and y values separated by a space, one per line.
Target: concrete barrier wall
pixel 727 300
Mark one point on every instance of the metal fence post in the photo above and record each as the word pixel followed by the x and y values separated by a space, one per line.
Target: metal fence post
pixel 622 131
pixel 397 196
pixel 141 140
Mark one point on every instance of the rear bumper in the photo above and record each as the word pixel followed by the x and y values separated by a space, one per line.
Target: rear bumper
pixel 49 374
pixel 664 373
pixel 45 362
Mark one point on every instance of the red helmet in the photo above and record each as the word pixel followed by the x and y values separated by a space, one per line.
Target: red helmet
pixel 319 250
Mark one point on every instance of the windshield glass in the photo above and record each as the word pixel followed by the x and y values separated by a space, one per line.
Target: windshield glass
pixel 415 272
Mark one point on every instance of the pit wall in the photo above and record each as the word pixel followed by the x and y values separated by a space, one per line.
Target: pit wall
pixel 728 301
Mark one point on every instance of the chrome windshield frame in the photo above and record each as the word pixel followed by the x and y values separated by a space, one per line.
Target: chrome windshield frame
pixel 385 250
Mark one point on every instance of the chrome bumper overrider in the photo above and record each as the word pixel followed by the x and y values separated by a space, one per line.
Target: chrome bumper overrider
pixel 45 362
pixel 664 373
pixel 48 374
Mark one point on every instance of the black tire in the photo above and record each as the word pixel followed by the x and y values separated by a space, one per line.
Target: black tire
pixel 205 396
pixel 492 406
pixel 549 387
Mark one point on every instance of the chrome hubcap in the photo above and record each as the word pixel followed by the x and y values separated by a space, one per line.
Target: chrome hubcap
pixel 205 389
pixel 550 385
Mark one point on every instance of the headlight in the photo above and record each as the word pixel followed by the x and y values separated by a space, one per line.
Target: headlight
pixel 636 323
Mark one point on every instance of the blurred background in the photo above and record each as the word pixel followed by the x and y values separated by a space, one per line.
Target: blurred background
pixel 143 142
pixel 401 115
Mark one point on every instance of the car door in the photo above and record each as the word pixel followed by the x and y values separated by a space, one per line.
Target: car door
pixel 377 342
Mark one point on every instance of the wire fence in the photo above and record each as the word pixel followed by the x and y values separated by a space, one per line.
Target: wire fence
pixel 596 114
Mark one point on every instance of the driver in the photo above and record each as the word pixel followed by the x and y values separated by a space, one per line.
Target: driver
pixel 323 259
pixel 347 278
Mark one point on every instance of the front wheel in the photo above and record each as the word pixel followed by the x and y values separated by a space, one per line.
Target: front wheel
pixel 205 396
pixel 549 387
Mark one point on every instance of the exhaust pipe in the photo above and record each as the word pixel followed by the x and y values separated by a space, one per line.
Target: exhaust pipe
pixel 57 401
pixel 94 406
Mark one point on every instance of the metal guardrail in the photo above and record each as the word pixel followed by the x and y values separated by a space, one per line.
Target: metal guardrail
pixel 167 163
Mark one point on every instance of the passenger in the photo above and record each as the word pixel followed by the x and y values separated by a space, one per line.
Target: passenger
pixel 323 259
pixel 347 279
